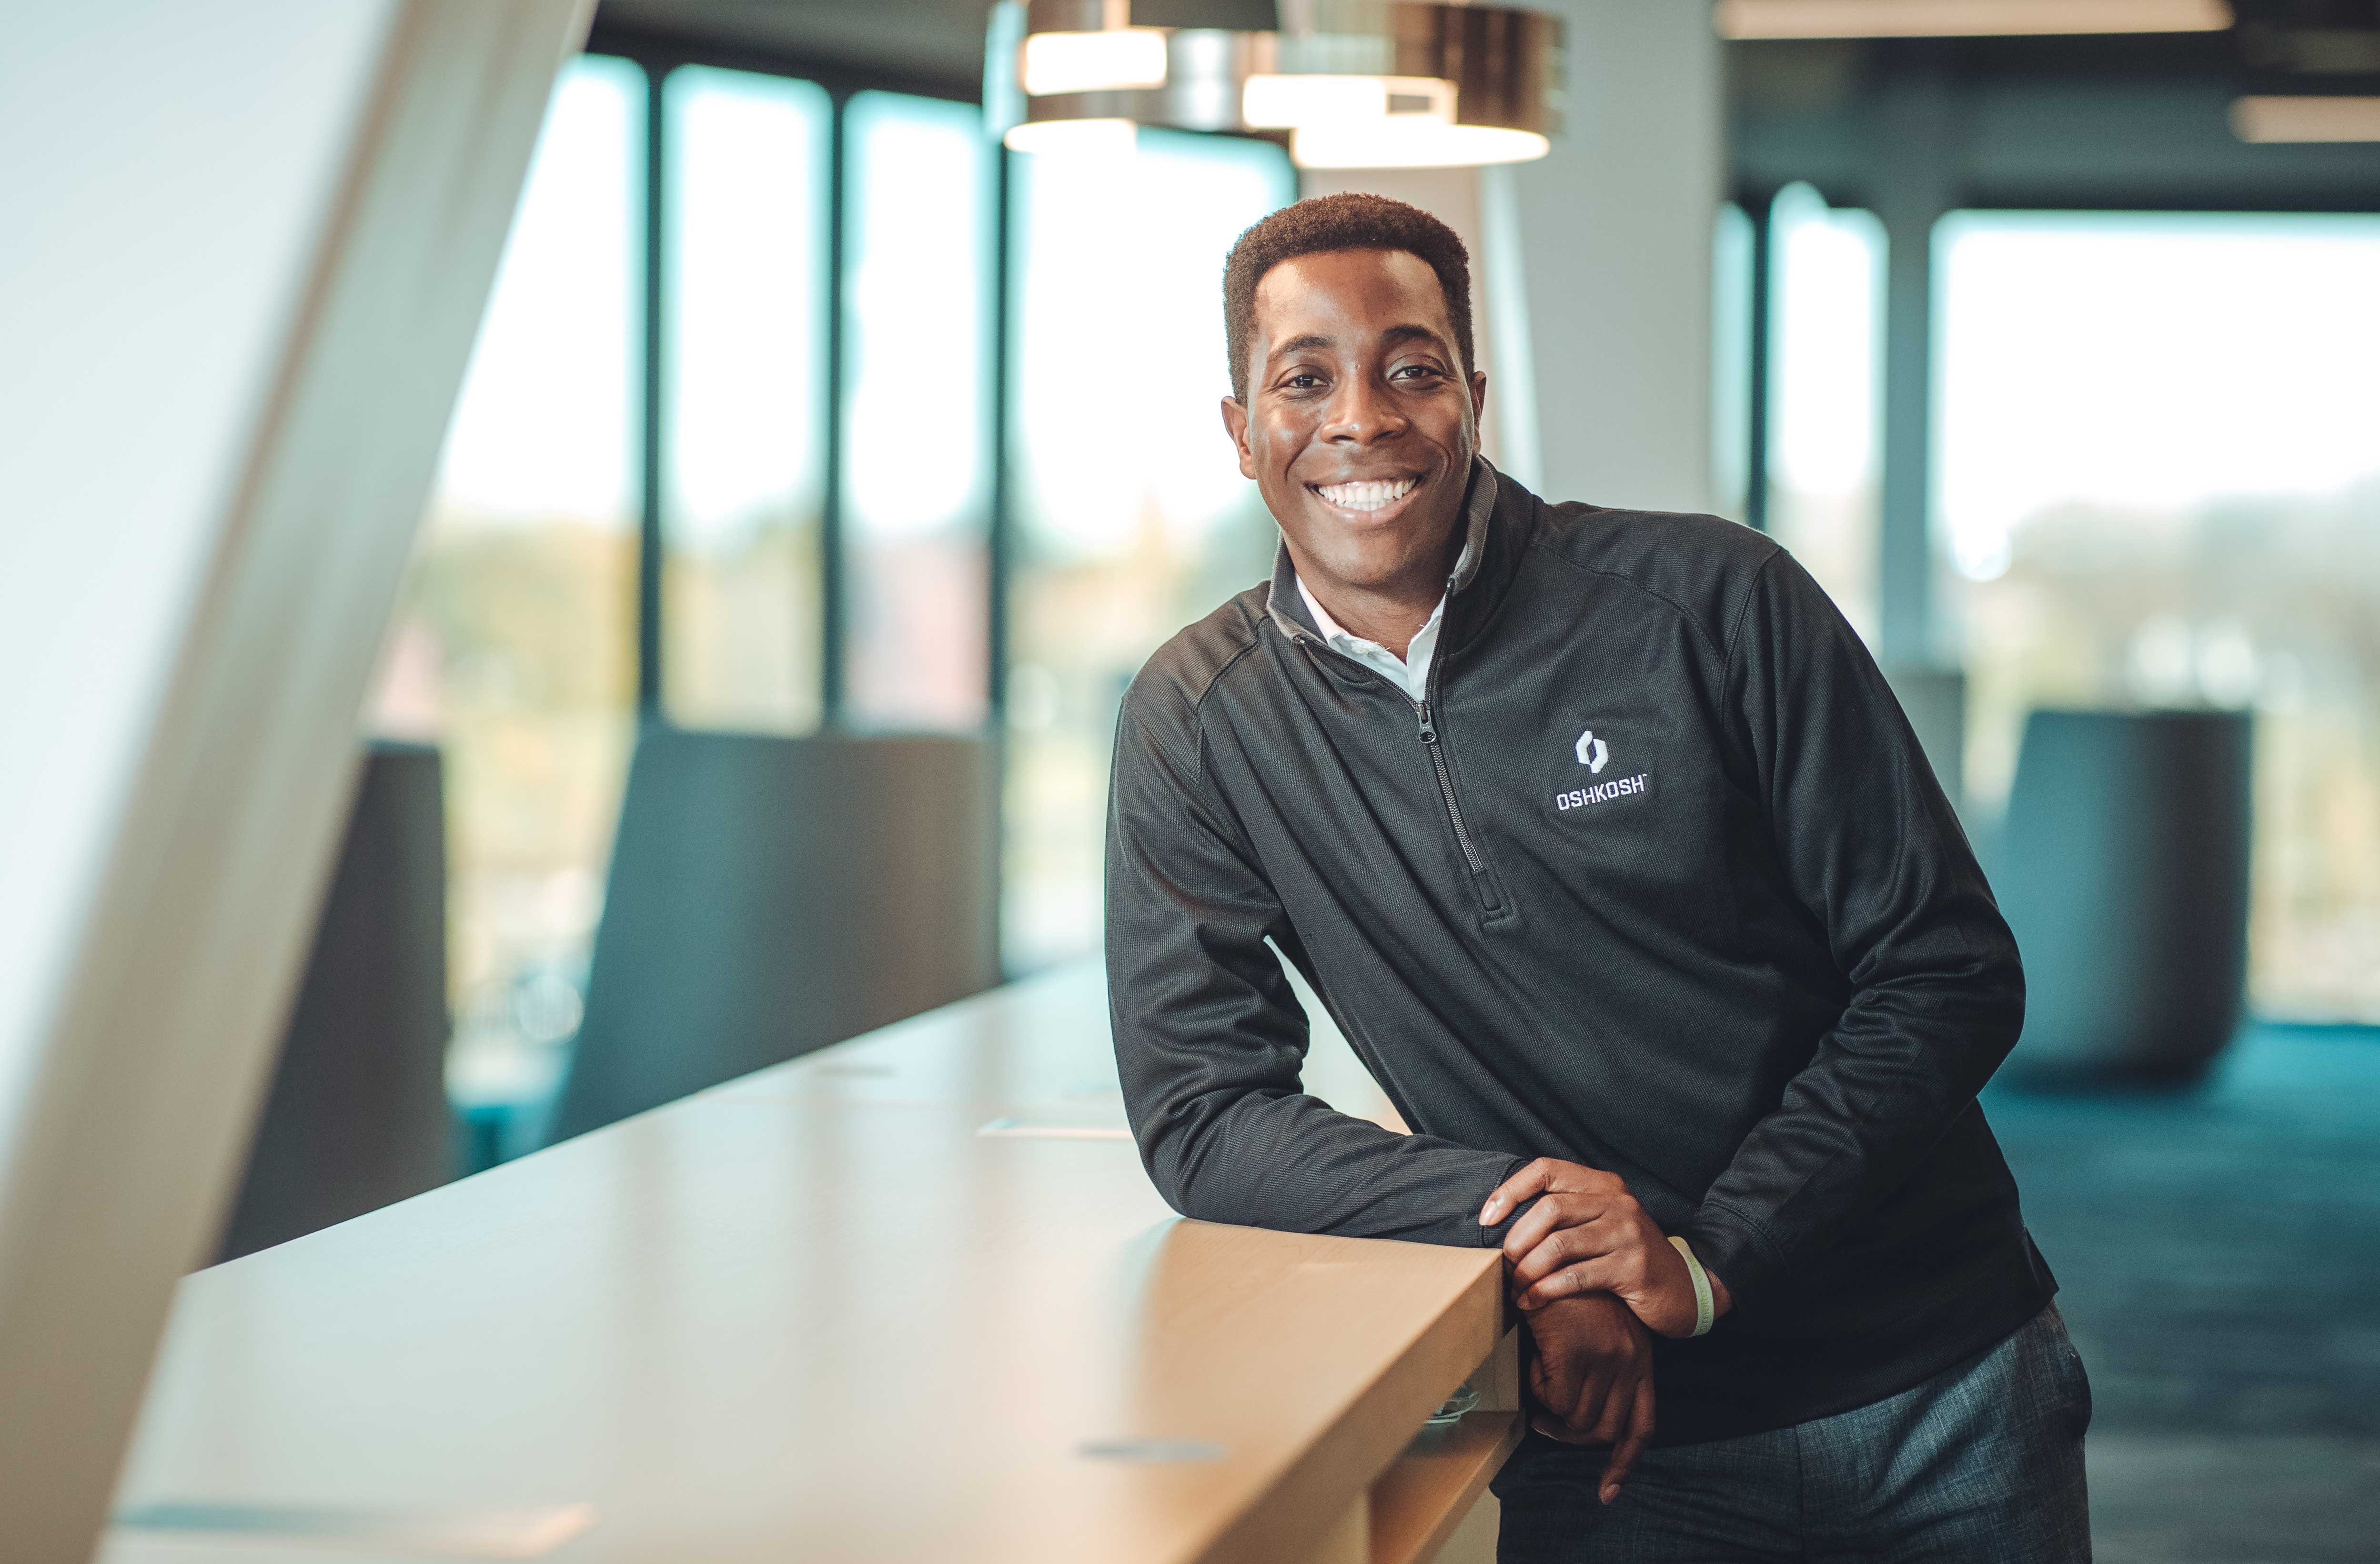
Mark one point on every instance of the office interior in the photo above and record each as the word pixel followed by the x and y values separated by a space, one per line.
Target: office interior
pixel 709 714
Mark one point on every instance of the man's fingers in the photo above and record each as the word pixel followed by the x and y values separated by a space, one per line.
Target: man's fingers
pixel 1534 1179
pixel 1544 1174
pixel 1545 1424
pixel 1587 1412
pixel 1550 1214
pixel 1612 1415
pixel 1631 1443
pixel 1567 1247
pixel 1554 1379
pixel 1598 1274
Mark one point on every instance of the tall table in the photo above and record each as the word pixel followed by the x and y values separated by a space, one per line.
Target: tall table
pixel 908 1298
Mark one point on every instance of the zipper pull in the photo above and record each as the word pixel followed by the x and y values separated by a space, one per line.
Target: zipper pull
pixel 1428 729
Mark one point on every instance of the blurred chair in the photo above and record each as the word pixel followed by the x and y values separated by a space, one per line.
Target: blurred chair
pixel 2124 872
pixel 357 1118
pixel 769 896
pixel 1935 700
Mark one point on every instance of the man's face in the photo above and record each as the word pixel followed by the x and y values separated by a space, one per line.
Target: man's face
pixel 1359 425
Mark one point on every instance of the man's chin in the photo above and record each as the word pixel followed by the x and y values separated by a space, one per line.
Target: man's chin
pixel 1375 571
pixel 1378 557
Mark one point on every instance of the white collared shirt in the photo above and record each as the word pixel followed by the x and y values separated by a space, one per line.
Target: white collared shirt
pixel 1411 672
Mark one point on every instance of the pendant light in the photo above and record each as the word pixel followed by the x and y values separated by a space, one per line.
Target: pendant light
pixel 1347 83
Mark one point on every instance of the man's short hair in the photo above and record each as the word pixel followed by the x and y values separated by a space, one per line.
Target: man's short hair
pixel 1351 221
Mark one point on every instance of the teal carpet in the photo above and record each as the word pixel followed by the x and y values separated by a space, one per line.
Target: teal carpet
pixel 2220 1255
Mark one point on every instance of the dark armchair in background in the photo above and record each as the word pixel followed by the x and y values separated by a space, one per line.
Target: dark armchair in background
pixel 768 896
pixel 357 1118
pixel 2122 866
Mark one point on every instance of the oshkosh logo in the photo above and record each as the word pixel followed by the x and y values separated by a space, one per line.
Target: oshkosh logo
pixel 1602 793
pixel 1593 753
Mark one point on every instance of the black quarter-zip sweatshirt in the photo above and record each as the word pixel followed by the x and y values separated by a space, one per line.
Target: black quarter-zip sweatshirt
pixel 1657 881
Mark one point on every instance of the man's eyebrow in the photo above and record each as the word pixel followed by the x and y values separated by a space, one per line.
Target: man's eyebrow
pixel 1298 345
pixel 1394 334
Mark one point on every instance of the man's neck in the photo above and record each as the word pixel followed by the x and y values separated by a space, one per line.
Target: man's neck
pixel 1391 613
pixel 1390 619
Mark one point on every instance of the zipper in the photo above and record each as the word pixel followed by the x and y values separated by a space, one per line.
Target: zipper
pixel 1483 884
pixel 1446 789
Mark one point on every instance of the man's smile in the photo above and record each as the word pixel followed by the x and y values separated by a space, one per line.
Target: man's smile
pixel 1370 498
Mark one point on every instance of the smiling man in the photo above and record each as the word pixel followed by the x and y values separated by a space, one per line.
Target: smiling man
pixel 1606 847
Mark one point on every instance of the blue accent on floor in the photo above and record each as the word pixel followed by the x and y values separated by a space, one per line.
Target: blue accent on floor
pixel 2220 1255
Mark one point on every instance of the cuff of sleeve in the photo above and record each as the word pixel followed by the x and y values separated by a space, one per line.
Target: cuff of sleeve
pixel 1732 1248
pixel 1493 1237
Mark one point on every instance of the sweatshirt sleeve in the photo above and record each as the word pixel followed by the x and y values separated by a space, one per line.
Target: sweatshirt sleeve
pixel 1871 850
pixel 1209 1037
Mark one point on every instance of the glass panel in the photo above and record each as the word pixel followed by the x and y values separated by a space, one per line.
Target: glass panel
pixel 514 646
pixel 1132 518
pixel 917 479
pixel 743 397
pixel 1732 278
pixel 1826 434
pixel 2156 485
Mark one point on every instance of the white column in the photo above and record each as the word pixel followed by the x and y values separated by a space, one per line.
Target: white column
pixel 249 244
pixel 1615 229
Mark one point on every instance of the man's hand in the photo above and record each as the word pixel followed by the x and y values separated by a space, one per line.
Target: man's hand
pixel 1592 1369
pixel 1587 1234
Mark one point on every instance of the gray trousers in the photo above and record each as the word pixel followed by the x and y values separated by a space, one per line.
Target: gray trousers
pixel 1982 1462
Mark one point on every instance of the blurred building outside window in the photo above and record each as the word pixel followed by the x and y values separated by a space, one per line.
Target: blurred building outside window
pixel 1131 517
pixel 514 642
pixel 746 192
pixel 1825 407
pixel 919 281
pixel 2156 485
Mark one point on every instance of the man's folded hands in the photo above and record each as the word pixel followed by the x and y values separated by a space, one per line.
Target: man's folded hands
pixel 1587 1234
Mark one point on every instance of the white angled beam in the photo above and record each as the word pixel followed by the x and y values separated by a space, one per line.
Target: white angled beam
pixel 247 247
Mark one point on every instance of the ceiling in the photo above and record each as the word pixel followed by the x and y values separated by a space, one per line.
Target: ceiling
pixel 932 40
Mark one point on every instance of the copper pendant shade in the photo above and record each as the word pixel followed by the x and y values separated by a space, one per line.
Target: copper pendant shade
pixel 1347 83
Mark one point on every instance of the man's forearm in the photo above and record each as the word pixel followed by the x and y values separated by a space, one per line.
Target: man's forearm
pixel 1289 1161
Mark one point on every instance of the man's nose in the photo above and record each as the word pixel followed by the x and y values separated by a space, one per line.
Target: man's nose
pixel 1363 412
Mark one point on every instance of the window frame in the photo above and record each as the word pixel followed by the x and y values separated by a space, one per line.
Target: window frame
pixel 657 55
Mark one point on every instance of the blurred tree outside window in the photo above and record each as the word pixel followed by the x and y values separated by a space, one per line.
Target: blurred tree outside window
pixel 1131 517
pixel 514 642
pixel 919 302
pixel 2156 485
pixel 745 238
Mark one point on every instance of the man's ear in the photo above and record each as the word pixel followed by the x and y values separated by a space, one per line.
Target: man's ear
pixel 1479 394
pixel 1236 423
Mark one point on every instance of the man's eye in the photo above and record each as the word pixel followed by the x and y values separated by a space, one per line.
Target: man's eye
pixel 1301 382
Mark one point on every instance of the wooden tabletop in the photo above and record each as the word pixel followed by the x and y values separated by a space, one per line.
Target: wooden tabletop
pixel 908 1298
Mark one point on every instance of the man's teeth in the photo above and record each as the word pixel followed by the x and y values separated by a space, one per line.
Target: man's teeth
pixel 1371 494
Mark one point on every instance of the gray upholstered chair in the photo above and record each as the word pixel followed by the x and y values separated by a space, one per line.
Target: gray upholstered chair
pixel 769 896
pixel 2123 869
pixel 1934 701
pixel 357 1116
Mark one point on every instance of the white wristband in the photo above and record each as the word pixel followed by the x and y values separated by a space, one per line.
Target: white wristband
pixel 1704 1311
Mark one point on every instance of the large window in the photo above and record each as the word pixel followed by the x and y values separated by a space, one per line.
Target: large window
pixel 918 285
pixel 1131 518
pixel 1826 374
pixel 743 397
pixel 513 645
pixel 2158 485
pixel 818 356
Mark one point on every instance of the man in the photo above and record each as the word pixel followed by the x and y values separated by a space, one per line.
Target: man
pixel 1606 845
